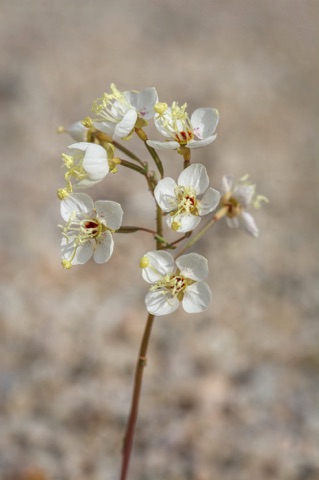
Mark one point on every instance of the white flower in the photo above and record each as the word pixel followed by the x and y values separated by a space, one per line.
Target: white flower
pixel 89 228
pixel 180 130
pixel 180 199
pixel 87 164
pixel 174 282
pixel 237 198
pixel 119 112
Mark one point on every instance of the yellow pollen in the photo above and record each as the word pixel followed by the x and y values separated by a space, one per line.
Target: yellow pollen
pixel 87 122
pixel 62 193
pixel 144 262
pixel 66 264
pixel 176 225
pixel 160 107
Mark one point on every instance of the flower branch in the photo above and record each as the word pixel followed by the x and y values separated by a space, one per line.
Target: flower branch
pixel 183 202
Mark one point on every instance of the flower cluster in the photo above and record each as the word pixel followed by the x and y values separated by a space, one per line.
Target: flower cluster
pixel 90 226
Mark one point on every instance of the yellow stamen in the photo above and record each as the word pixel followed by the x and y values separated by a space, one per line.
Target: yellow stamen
pixel 160 107
pixel 66 264
pixel 144 262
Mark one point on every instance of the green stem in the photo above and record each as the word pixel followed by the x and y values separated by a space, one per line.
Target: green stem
pixel 132 166
pixel 127 152
pixel 150 178
pixel 187 235
pixel 129 229
pixel 142 135
pixel 220 214
pixel 159 227
pixel 156 159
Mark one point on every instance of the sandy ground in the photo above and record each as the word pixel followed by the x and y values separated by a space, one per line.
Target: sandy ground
pixel 231 394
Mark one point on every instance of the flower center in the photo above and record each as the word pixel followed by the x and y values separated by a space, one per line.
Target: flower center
pixel 171 285
pixel 177 124
pixel 186 201
pixel 111 107
pixel 79 231
pixel 234 207
pixel 94 227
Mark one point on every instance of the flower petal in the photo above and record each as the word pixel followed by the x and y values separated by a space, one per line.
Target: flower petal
pixel 232 222
pixel 201 143
pixel 193 266
pixel 85 183
pixel 244 194
pixel 159 265
pixel 76 203
pixel 248 223
pixel 104 248
pixel 82 146
pixel 159 120
pixel 227 183
pixel 143 101
pixel 163 145
pixel 78 132
pixel 126 125
pixel 106 126
pixel 209 201
pixel 183 223
pixel 197 297
pixel 165 194
pixel 95 162
pixel 110 212
pixel 204 122
pixel 82 254
pixel 194 176
pixel 158 303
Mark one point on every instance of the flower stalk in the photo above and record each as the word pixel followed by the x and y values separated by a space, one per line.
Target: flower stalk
pixel 182 203
pixel 139 370
pixel 220 214
pixel 142 135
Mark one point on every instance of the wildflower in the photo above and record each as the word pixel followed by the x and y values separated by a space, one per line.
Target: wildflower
pixel 180 130
pixel 120 112
pixel 181 199
pixel 87 164
pixel 237 198
pixel 88 230
pixel 175 282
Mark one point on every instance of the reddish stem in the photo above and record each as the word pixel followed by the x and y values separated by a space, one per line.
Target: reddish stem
pixel 141 363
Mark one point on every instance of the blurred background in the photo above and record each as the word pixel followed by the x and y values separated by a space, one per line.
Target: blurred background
pixel 232 393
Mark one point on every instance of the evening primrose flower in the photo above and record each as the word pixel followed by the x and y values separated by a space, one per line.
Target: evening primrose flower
pixel 181 130
pixel 177 281
pixel 237 198
pixel 118 113
pixel 88 230
pixel 87 164
pixel 181 200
